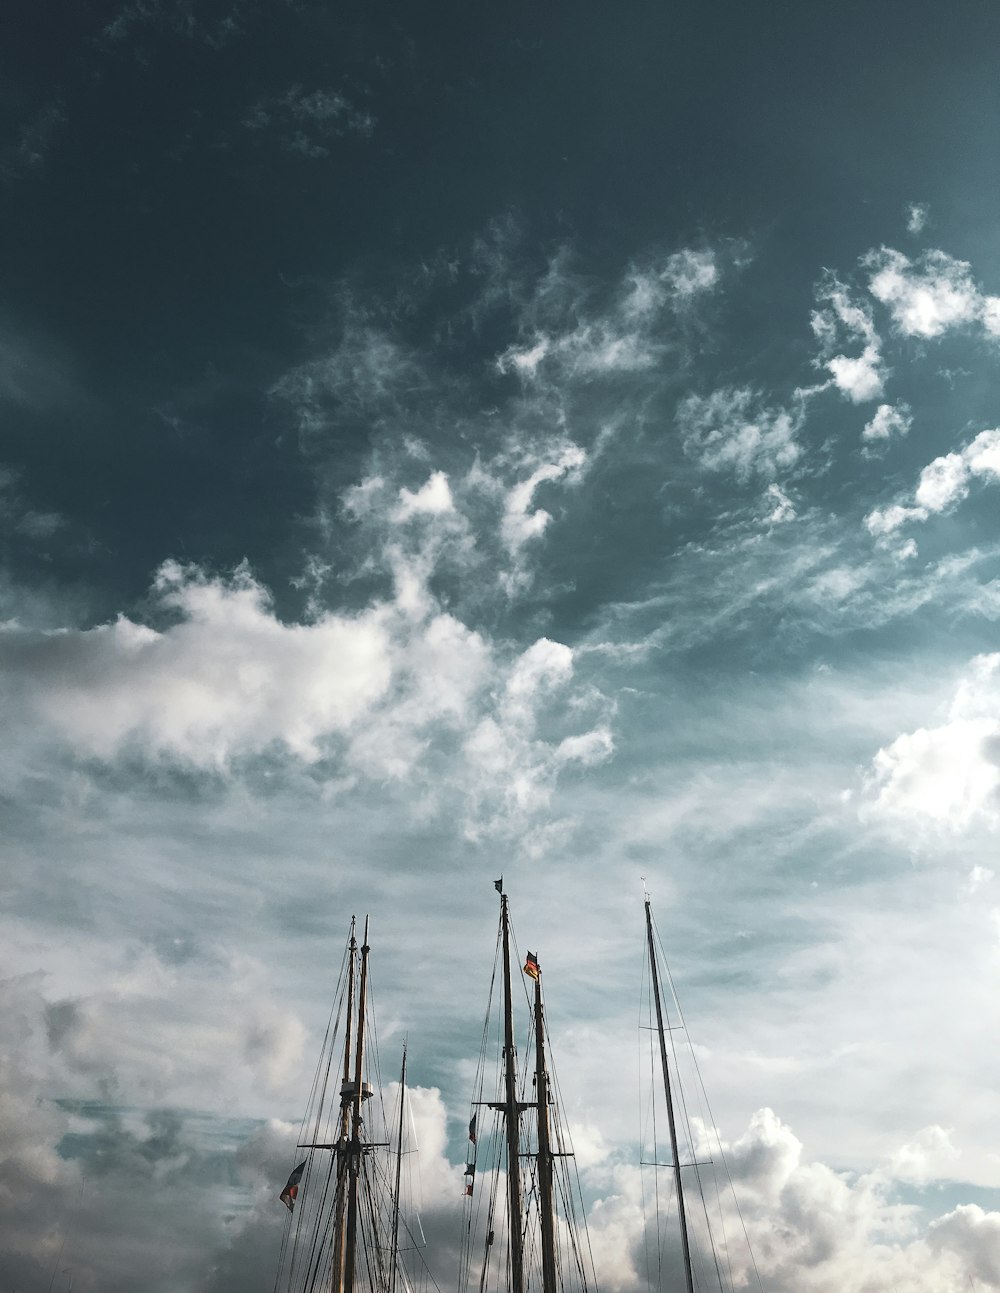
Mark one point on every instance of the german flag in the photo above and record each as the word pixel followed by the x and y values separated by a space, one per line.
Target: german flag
pixel 290 1193
pixel 531 966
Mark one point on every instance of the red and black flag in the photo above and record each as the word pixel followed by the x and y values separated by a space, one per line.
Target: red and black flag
pixel 531 966
pixel 472 1128
pixel 289 1194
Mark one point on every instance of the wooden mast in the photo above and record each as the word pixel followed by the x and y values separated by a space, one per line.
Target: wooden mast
pixel 354 1149
pixel 655 977
pixel 512 1114
pixel 545 1208
pixel 340 1197
pixel 399 1174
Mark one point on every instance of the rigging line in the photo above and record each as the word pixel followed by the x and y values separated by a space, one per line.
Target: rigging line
pixel 327 1054
pixel 568 1173
pixel 320 1233
pixel 708 1225
pixel 661 1216
pixel 711 1115
pixel 722 1224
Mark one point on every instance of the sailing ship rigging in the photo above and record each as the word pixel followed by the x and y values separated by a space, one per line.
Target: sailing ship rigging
pixel 523 1225
pixel 709 1252
pixel 347 1230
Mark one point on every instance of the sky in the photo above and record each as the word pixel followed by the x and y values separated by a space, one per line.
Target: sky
pixel 441 442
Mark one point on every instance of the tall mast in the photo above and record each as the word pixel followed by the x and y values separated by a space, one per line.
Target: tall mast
pixel 655 977
pixel 399 1173
pixel 512 1112
pixel 544 1150
pixel 340 1197
pixel 354 1150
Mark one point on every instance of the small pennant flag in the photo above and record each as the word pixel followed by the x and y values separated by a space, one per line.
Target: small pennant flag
pixel 470 1169
pixel 472 1128
pixel 531 966
pixel 290 1193
pixel 468 1190
pixel 498 885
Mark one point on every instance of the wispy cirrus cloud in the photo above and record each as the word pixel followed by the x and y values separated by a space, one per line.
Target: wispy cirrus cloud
pixel 306 122
pixel 733 430
pixel 842 319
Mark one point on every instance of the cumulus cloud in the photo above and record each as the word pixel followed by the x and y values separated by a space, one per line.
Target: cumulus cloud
pixel 972 1237
pixel 890 421
pixel 930 295
pixel 947 776
pixel 432 499
pixel 223 678
pixel 731 430
pixel 943 483
pixel 809 1227
pixel 226 678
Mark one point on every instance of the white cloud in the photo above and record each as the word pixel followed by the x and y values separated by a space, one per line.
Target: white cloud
pixel 973 1236
pixel 521 522
pixel 730 430
pixel 228 678
pixel 369 692
pixel 513 773
pixel 889 421
pixel 978 877
pixel 809 1227
pixel 782 507
pixel 567 335
pixel 928 296
pixel 916 217
pixel 947 775
pixel 691 272
pixel 432 499
pixel 928 1156
pixel 886 520
pixel 859 377
pixel 943 483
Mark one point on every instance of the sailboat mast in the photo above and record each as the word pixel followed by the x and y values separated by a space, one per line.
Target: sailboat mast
pixel 399 1175
pixel 655 977
pixel 544 1150
pixel 354 1162
pixel 340 1197
pixel 512 1112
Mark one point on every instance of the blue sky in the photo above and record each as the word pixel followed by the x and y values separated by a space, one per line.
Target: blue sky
pixel 561 445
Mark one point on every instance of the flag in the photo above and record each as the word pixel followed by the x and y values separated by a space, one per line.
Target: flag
pixel 470 1169
pixel 472 1128
pixel 468 1190
pixel 531 966
pixel 289 1194
pixel 498 885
